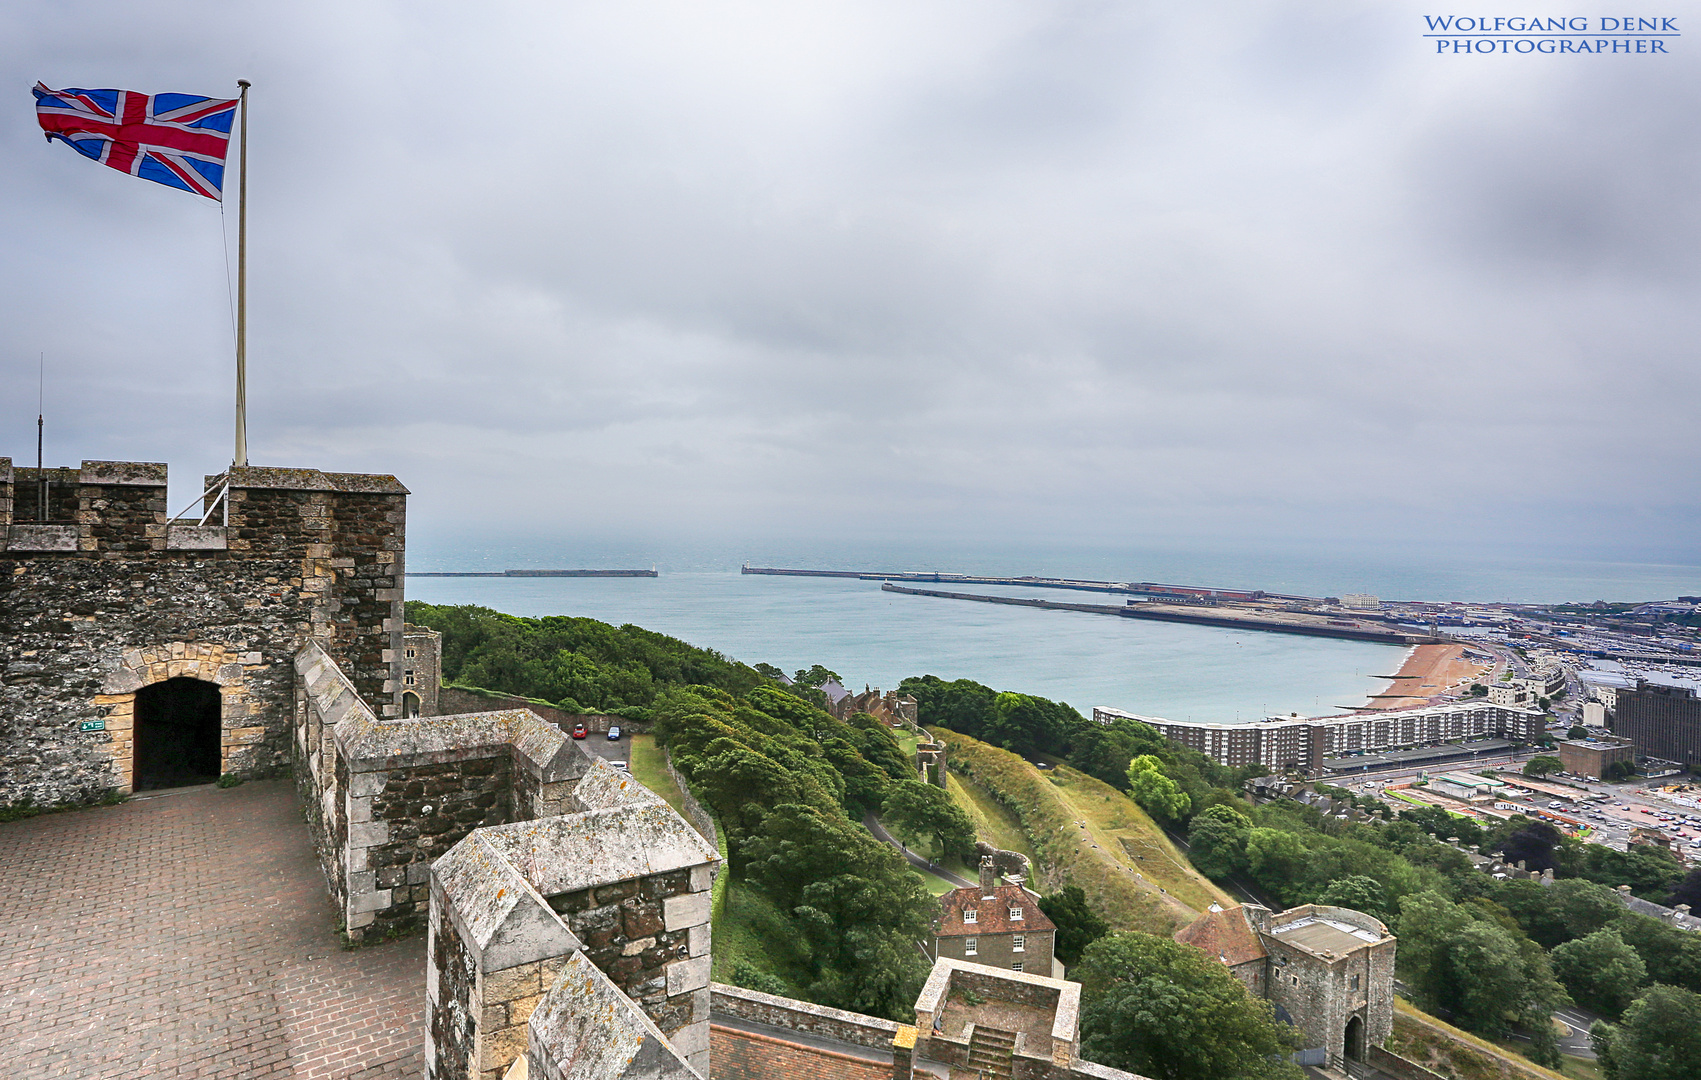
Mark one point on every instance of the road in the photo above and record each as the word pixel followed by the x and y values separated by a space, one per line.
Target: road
pixel 916 861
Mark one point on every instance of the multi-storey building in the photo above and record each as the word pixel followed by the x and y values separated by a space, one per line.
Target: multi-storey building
pixel 1664 721
pixel 1303 744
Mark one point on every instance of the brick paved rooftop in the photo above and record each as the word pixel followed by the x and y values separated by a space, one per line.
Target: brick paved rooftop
pixel 190 935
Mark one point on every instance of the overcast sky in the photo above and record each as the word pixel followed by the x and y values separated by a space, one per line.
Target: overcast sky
pixel 1247 271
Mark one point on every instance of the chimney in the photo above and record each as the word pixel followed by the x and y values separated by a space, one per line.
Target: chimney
pixel 988 876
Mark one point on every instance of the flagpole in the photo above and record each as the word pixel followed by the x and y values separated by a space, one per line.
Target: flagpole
pixel 241 457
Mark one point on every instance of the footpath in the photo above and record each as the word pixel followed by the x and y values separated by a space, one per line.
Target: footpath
pixel 189 934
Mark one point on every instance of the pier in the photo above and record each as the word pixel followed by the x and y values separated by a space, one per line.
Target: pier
pixel 1287 624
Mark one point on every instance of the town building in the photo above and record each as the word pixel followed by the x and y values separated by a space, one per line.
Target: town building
pixel 422 670
pixel 1663 721
pixel 1592 757
pixel 1000 926
pixel 1303 744
pixel 1515 694
pixel 1328 970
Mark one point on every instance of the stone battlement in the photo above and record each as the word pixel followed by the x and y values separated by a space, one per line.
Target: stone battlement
pixel 94 573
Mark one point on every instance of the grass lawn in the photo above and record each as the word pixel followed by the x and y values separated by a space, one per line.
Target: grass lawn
pixel 748 927
pixel 1438 1045
pixel 994 821
pixel 1118 825
pixel 1047 806
pixel 648 769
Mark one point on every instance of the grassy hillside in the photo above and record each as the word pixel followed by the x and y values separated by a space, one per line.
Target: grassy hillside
pixel 1130 872
pixel 994 822
pixel 1438 1045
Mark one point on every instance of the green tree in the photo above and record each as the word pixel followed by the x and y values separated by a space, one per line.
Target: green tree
pixel 1156 793
pixel 1277 862
pixel 1166 1010
pixel 1357 892
pixel 1216 841
pixel 1659 1038
pixel 1077 925
pixel 1541 765
pixel 1600 971
pixel 1461 958
pixel 914 810
pixel 1578 731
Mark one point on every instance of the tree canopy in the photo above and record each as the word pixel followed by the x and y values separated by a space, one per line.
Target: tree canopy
pixel 1077 925
pixel 1166 1010
pixel 1659 1039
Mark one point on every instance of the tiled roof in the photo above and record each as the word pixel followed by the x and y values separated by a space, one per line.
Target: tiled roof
pixel 992 916
pixel 745 1055
pixel 1225 934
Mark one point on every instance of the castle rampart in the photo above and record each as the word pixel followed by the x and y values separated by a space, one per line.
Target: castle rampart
pixel 104 599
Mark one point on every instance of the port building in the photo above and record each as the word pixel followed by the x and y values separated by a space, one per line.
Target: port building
pixel 1302 744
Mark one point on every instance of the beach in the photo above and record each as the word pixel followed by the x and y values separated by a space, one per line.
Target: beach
pixel 1429 672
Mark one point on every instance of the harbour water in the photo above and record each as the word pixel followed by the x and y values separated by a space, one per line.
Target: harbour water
pixel 876 638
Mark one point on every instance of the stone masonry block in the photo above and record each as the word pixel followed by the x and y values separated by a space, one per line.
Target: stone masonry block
pixel 684 976
pixel 701 1001
pixel 702 878
pixel 368 833
pixel 697 940
pixel 376 900
pixel 691 1039
pixel 687 910
pixel 513 984
pixel 364 785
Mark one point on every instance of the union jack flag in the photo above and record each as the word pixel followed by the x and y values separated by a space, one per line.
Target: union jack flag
pixel 178 140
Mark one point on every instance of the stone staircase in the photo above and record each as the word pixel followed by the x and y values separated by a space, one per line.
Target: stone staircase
pixel 990 1051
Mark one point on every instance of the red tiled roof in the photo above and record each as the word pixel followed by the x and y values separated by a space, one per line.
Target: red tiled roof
pixel 745 1055
pixel 1225 934
pixel 992 916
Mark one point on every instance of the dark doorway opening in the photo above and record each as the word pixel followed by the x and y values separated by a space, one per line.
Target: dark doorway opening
pixel 410 705
pixel 1355 1039
pixel 177 734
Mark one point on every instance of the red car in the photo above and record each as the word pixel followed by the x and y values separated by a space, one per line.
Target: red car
pixel 580 731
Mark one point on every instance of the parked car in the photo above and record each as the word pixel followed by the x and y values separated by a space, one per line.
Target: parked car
pixel 580 731
pixel 621 765
pixel 614 733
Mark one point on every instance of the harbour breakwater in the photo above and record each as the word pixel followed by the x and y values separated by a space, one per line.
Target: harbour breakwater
pixel 1168 613
pixel 1171 593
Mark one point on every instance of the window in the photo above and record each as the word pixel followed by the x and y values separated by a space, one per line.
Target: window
pixel 1019 943
pixel 1015 914
pixel 1016 966
pixel 407 678
pixel 971 915
pixel 971 946
pixel 410 654
pixel 1355 982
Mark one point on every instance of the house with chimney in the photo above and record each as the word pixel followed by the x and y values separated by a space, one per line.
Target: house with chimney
pixel 997 925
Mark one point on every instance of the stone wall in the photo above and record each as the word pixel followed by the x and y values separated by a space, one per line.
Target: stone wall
pixel 701 819
pixel 595 922
pixel 113 597
pixel 1396 1066
pixel 461 699
pixel 802 1016
pixel 386 798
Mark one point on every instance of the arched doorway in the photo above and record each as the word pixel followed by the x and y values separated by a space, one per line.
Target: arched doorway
pixel 410 705
pixel 177 734
pixel 1355 1039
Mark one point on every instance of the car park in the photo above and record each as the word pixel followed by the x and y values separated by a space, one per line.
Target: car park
pixel 614 733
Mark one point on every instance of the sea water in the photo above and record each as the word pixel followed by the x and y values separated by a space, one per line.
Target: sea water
pixel 876 638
